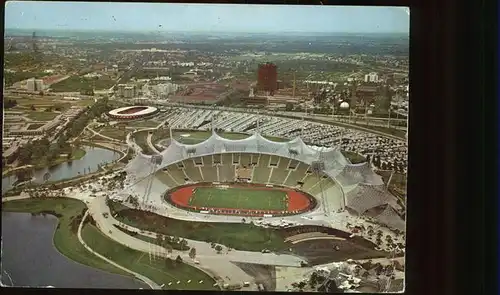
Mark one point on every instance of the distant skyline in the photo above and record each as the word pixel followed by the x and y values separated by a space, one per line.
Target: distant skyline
pixel 165 17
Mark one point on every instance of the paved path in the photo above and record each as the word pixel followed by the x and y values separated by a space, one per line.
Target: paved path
pixel 148 281
pixel 151 145
pixel 215 262
pixel 101 135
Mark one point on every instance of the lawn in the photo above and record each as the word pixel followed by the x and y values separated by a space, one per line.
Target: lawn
pixel 77 83
pixel 115 132
pixel 161 271
pixel 11 78
pixel 176 246
pixel 143 124
pixel 35 126
pixel 66 241
pixel 239 236
pixel 238 198
pixel 41 102
pixel 76 154
pixel 42 116
pixel 141 139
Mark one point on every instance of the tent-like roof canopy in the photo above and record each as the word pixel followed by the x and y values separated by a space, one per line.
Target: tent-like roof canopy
pixel 335 164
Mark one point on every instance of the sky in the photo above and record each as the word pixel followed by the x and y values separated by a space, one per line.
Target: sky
pixel 45 15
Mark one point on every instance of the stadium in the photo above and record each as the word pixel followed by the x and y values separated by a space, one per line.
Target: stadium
pixel 259 177
pixel 132 112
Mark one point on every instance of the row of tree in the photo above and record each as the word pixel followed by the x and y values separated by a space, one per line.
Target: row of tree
pixel 43 152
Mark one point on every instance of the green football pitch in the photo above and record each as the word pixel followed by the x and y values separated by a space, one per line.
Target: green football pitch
pixel 239 198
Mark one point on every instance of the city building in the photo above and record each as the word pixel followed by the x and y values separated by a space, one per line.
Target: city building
pixel 33 85
pixel 30 85
pixel 129 92
pixel 39 85
pixel 267 78
pixel 120 90
pixel 366 93
pixel 165 89
pixel 371 77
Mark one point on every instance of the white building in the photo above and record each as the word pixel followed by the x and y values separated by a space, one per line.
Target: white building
pixel 371 77
pixel 39 85
pixel 30 85
pixel 165 89
pixel 129 92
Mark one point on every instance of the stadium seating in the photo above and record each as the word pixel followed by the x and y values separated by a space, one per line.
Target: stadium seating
pixel 261 174
pixel 176 173
pixel 209 171
pixel 334 197
pixel 165 178
pixel 227 159
pixel 297 175
pixel 216 158
pixel 309 182
pixel 317 188
pixel 236 158
pixel 245 159
pixel 292 164
pixel 278 175
pixel 226 170
pixel 283 163
pixel 192 171
pixel 264 161
pixel 273 162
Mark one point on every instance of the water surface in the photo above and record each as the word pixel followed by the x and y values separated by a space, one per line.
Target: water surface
pixel 89 163
pixel 30 258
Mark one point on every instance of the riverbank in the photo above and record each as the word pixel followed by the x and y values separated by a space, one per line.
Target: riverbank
pixel 69 213
pixel 92 160
pixel 77 154
pixel 173 274
pixel 30 258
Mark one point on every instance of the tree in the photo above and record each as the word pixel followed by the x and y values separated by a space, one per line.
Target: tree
pixel 330 287
pixel 218 248
pixel 159 239
pixel 183 243
pixel 289 107
pixel 192 253
pixel 169 249
pixel 313 280
pixel 168 261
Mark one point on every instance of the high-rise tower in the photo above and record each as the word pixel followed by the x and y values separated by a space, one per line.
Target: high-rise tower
pixel 267 78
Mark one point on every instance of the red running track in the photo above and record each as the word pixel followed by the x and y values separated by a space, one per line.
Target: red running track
pixel 297 201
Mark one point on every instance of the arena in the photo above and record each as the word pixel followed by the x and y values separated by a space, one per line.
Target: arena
pixel 240 199
pixel 133 112
pixel 333 184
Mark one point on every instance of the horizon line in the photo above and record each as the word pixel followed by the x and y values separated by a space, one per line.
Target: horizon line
pixel 197 31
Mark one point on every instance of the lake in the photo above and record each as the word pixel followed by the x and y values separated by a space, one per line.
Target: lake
pixel 31 260
pixel 94 156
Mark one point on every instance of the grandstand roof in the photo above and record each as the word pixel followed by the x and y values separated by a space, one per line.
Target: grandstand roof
pixel 363 188
pixel 335 164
